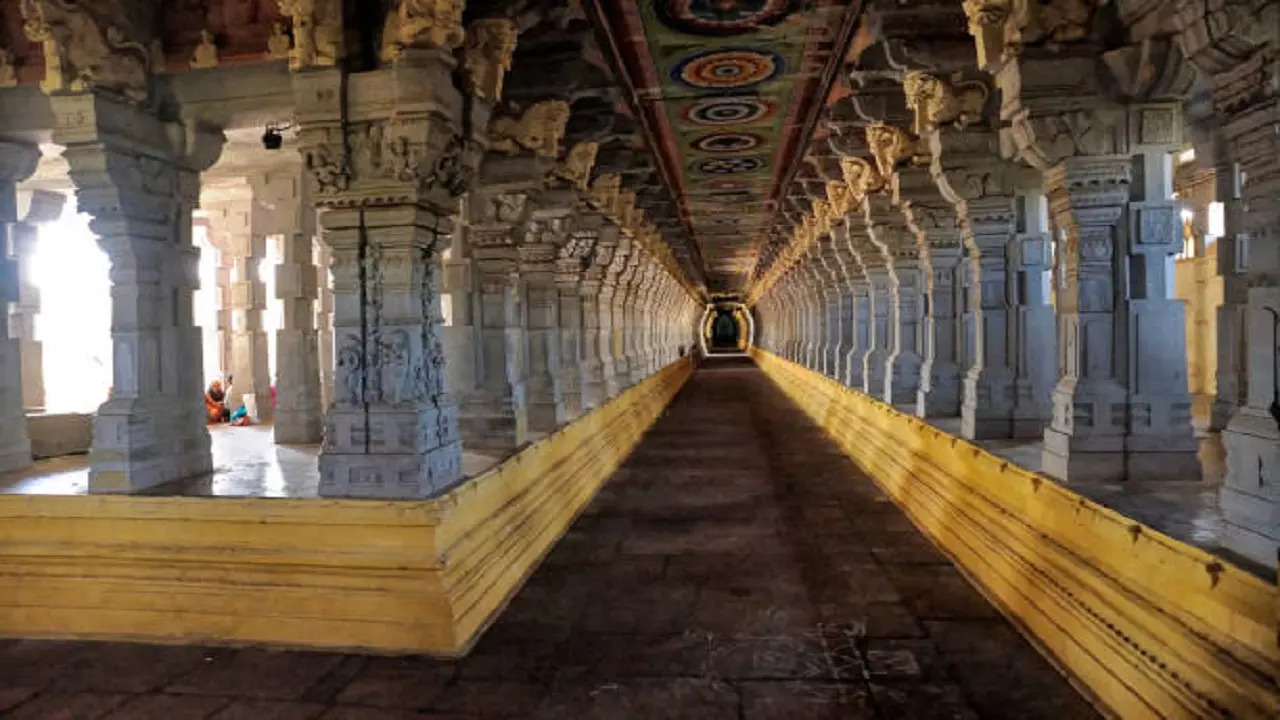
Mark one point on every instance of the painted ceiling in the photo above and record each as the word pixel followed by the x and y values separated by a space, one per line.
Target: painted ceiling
pixel 728 92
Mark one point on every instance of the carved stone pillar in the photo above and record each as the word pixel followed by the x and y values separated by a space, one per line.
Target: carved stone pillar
pixel 299 413
pixel 541 319
pixel 594 389
pixel 322 258
pixel 1032 328
pixel 570 264
pixel 940 388
pixel 608 333
pixel 17 162
pixel 41 206
pixel 887 230
pixel 138 177
pixel 240 221
pixel 623 320
pixel 494 416
pixel 391 151
pixel 643 314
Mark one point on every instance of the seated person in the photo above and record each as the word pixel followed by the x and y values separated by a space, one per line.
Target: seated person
pixel 215 403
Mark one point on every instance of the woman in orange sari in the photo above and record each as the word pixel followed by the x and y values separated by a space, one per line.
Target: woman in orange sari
pixel 215 403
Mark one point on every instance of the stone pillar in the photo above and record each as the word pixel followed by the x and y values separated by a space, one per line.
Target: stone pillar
pixel 887 230
pixel 391 151
pixel 570 264
pixel 623 331
pixel 1032 329
pixel 541 320
pixel 594 389
pixel 17 162
pixel 138 177
pixel 940 391
pixel 322 258
pixel 876 359
pixel 608 287
pixel 41 206
pixel 241 222
pixel 495 415
pixel 1239 52
pixel 299 413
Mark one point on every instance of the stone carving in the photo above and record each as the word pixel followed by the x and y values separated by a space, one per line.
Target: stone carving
pixel 84 51
pixel 539 130
pixel 889 145
pixel 398 377
pixel 936 103
pixel 1152 70
pixel 424 24
pixel 206 53
pixel 350 373
pixel 317 32
pixel 328 165
pixel 278 45
pixel 576 167
pixel 860 176
pixel 509 207
pixel 604 191
pixel 490 45
pixel 840 197
pixel 8 75
pixel 1001 28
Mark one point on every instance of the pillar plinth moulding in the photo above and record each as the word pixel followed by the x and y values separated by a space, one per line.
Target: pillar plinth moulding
pixel 391 151
pixel 35 208
pixel 137 176
pixel 299 412
pixel 1238 49
pixel 17 162
pixel 541 309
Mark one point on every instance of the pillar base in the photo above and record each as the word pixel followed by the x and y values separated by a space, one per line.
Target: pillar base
pixel 902 379
pixel 388 452
pixel 987 409
pixel 853 370
pixel 493 425
pixel 1250 495
pixel 546 415
pixel 1105 460
pixel 873 373
pixel 942 397
pixel 139 445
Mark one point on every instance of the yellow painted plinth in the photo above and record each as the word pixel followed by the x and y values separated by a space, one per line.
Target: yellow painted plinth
pixel 1149 626
pixel 388 576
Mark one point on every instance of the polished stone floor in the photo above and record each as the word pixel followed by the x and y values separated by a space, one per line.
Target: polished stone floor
pixel 246 463
pixel 738 566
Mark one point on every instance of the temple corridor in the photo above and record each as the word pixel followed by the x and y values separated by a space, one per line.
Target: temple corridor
pixel 738 565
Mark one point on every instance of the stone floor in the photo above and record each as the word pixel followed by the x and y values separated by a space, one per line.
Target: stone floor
pixel 246 463
pixel 737 566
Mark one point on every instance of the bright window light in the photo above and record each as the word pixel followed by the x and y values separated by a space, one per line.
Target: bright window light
pixel 1186 156
pixel 1217 219
pixel 74 323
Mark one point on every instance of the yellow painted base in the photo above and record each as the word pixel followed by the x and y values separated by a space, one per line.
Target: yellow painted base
pixel 387 576
pixel 1152 627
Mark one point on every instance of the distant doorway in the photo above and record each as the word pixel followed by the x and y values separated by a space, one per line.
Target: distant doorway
pixel 724 331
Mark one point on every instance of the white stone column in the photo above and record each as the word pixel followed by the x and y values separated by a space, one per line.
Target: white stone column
pixel 138 177
pixel 541 319
pixel 940 390
pixel 571 261
pixel 623 321
pixel 887 230
pixel 238 216
pixel 17 162
pixel 987 408
pixel 608 288
pixel 299 413
pixel 494 415
pixel 1032 330
pixel 36 208
pixel 594 390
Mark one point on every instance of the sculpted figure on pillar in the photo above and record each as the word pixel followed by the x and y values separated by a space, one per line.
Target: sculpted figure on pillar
pixel 317 32
pixel 487 56
pixel 427 24
pixel 539 130
pixel 103 46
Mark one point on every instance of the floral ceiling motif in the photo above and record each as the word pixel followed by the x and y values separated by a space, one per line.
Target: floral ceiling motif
pixel 726 88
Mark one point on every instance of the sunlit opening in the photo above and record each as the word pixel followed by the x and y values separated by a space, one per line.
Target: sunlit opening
pixel 273 316
pixel 74 323
pixel 206 305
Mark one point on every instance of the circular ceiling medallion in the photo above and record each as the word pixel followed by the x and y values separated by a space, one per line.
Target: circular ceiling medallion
pixel 728 68
pixel 728 111
pixel 722 18
pixel 727 142
pixel 729 165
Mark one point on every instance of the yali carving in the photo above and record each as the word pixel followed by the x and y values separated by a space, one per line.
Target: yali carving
pixel 490 46
pixel 539 130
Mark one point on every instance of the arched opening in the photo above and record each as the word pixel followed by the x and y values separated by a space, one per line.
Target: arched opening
pixel 724 331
